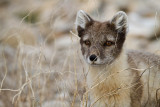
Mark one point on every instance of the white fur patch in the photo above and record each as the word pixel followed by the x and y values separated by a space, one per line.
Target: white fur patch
pixel 85 37
pixel 110 38
pixel 81 19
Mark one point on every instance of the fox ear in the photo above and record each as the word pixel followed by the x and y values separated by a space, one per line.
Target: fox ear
pixel 82 20
pixel 120 21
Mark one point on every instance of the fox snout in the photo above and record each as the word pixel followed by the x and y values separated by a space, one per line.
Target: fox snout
pixel 93 55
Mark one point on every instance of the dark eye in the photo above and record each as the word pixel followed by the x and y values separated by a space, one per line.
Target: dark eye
pixel 87 42
pixel 108 43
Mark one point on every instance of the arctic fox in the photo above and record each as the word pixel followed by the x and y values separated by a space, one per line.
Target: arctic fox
pixel 117 77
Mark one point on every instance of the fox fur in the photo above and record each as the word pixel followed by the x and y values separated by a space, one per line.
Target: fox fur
pixel 117 77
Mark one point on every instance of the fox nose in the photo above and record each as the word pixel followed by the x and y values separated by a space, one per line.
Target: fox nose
pixel 93 58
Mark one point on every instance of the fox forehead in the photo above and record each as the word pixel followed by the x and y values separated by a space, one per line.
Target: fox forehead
pixel 99 30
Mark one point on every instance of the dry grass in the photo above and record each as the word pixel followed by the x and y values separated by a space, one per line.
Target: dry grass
pixel 40 58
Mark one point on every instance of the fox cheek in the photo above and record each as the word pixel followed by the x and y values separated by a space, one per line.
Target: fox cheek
pixel 83 51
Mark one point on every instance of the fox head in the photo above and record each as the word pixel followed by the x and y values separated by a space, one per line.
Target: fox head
pixel 101 42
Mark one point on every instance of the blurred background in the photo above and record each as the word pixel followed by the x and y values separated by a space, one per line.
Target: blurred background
pixel 40 57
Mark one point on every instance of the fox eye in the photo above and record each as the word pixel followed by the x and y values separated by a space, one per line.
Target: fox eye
pixel 108 43
pixel 87 42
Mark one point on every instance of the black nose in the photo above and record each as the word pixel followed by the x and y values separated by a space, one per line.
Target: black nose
pixel 93 58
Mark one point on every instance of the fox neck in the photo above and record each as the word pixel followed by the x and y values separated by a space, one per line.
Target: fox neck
pixel 115 73
pixel 107 79
pixel 118 64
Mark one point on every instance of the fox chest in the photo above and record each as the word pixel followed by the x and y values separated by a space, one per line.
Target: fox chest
pixel 109 95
